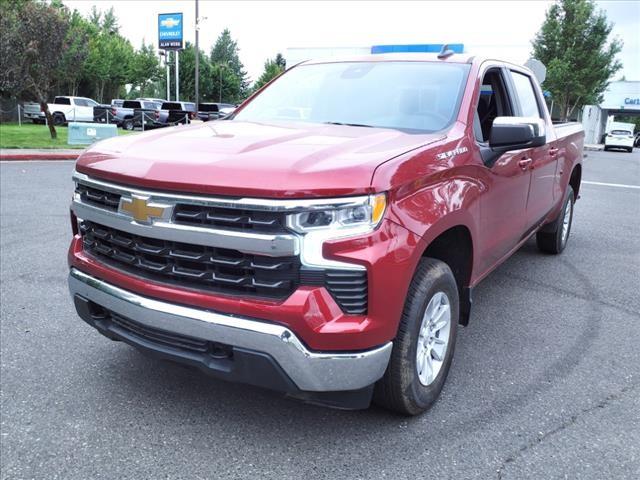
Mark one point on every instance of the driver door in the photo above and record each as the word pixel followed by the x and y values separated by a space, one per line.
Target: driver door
pixel 503 205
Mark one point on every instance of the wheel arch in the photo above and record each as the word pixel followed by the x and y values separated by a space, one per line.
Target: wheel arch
pixel 454 246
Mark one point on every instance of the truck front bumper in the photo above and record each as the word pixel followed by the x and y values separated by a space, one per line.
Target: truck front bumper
pixel 229 347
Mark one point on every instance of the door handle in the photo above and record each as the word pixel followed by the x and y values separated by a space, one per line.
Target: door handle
pixel 553 151
pixel 525 163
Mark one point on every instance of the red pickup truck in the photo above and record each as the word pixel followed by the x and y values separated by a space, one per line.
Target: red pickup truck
pixel 324 240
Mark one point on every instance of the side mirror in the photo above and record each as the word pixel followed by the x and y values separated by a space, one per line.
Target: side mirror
pixel 515 133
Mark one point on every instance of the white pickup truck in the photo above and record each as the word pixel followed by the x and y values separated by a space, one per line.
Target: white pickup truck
pixel 63 110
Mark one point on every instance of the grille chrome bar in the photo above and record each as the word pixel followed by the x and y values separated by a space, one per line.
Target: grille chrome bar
pixel 261 204
pixel 273 245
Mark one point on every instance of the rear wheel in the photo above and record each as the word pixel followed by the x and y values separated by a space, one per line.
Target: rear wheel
pixel 423 348
pixel 127 124
pixel 553 238
pixel 59 118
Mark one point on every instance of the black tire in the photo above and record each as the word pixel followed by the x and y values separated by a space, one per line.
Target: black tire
pixel 38 122
pixel 630 150
pixel 550 238
pixel 59 119
pixel 400 389
pixel 127 124
pixel 606 149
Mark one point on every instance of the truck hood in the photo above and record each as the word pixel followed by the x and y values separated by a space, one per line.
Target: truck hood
pixel 251 159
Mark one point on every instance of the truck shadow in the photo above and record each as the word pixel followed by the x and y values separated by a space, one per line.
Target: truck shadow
pixel 501 349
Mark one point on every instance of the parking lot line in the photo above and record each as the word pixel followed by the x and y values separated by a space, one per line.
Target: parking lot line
pixel 619 185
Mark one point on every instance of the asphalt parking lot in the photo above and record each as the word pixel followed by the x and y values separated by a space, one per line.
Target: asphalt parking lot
pixel 545 382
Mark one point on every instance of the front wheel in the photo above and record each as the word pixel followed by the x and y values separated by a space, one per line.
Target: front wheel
pixel 423 348
pixel 553 237
pixel 127 124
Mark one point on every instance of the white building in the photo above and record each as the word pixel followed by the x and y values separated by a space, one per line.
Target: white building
pixel 621 98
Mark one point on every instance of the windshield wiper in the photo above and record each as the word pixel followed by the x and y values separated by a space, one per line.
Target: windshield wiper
pixel 349 124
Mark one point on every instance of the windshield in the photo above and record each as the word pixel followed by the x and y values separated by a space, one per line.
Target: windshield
pixel 412 96
pixel 620 132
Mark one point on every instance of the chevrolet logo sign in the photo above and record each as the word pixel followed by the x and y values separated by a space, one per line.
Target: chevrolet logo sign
pixel 141 209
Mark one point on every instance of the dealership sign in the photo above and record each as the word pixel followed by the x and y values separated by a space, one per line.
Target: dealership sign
pixel 170 31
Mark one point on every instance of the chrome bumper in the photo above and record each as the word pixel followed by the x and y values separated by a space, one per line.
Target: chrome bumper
pixel 310 371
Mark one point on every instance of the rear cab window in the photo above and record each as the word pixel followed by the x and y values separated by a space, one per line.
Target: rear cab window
pixel 62 101
pixel 621 132
pixel 131 104
pixel 526 95
pixel 171 106
pixel 208 107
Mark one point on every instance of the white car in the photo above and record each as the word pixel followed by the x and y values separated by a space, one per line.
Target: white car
pixel 619 139
pixel 63 110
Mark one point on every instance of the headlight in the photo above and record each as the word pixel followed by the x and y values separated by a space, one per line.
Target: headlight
pixel 352 214
pixel 350 217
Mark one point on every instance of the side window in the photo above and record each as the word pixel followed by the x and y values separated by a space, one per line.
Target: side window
pixel 493 102
pixel 81 102
pixel 526 95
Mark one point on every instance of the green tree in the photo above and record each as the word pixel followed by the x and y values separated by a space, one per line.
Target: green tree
pixel 271 70
pixel 281 62
pixel 574 44
pixel 187 74
pixel 31 47
pixel 71 70
pixel 109 64
pixel 229 76
pixel 145 68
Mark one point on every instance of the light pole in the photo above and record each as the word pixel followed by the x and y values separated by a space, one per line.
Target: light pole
pixel 165 54
pixel 197 57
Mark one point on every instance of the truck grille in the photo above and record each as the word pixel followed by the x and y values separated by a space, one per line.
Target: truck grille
pixel 222 270
pixel 230 218
pixel 98 198
pixel 195 266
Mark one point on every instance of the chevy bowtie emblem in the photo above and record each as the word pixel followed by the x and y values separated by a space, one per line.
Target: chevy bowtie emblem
pixel 141 209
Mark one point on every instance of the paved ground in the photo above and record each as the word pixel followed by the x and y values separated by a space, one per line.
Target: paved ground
pixel 545 383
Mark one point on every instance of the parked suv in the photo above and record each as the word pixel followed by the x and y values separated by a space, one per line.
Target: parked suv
pixel 325 240
pixel 620 139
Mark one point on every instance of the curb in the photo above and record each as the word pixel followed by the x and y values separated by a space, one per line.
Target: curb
pixel 594 148
pixel 39 156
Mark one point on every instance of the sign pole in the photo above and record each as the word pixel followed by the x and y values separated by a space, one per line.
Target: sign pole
pixel 177 77
pixel 166 63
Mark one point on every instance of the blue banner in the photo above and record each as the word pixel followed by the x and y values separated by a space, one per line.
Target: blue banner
pixel 170 31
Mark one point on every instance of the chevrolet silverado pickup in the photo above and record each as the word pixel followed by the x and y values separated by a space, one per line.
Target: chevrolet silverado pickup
pixel 63 110
pixel 325 239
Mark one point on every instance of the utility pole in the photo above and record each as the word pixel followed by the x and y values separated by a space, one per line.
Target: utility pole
pixel 197 57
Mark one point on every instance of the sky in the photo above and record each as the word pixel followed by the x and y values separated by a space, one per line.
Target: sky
pixel 501 29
